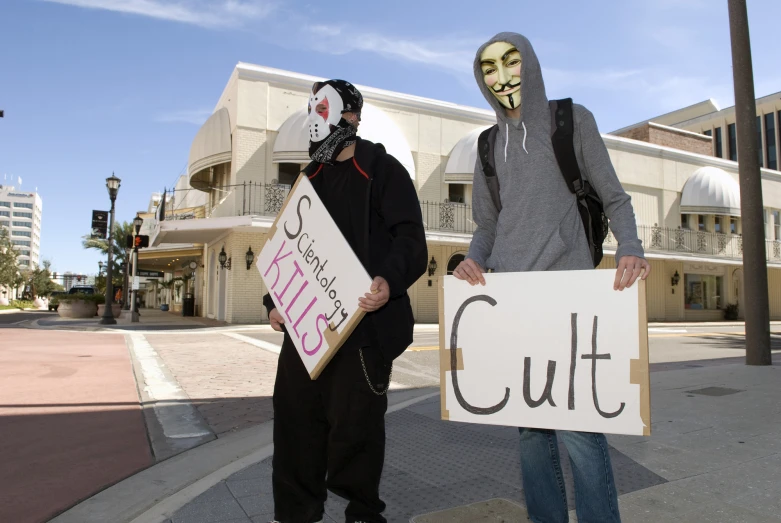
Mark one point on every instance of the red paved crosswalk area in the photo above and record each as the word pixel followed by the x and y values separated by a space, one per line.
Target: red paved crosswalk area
pixel 70 421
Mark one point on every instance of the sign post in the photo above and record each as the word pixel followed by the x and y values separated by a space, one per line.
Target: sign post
pixel 313 276
pixel 551 350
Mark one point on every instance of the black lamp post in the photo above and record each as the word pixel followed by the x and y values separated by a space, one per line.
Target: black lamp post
pixel 112 184
pixel 137 223
pixel 100 267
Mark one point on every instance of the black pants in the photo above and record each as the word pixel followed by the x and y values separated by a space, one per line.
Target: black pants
pixel 329 434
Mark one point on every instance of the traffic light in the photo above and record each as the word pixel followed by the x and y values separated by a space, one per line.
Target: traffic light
pixel 142 241
pixel 129 241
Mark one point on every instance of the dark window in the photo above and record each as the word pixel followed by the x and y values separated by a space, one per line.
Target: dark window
pixel 684 221
pixel 733 142
pixel 703 292
pixel 701 222
pixel 770 141
pixel 707 133
pixel 759 142
pixel 288 173
pixel 733 225
pixel 453 263
pixel 719 150
pixel 718 224
pixel 23 205
pixel 777 225
pixel 456 193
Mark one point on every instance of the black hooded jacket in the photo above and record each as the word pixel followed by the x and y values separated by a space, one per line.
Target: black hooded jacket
pixel 396 241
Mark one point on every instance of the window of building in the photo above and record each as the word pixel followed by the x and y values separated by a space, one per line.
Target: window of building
pixel 5 204
pixel 770 141
pixel 23 205
pixel 4 223
pixel 708 132
pixel 700 222
pixel 453 262
pixel 23 233
pixel 703 291
pixel 5 213
pixel 22 214
pixel 760 152
pixel 24 263
pixel 684 221
pixel 777 225
pixel 733 225
pixel 29 225
pixel 24 253
pixel 21 242
pixel 717 141
pixel 288 173
pixel 733 142
pixel 717 224
pixel 456 193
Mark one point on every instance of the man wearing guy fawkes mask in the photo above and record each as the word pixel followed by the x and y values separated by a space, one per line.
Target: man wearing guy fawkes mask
pixel 537 226
pixel 329 433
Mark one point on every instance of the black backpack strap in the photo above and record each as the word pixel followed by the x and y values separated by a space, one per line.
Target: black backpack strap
pixel 563 139
pixel 485 146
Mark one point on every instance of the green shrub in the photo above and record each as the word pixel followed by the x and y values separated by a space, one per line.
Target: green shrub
pixel 91 298
pixel 22 304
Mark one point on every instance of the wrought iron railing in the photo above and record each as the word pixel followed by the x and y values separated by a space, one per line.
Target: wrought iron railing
pixel 262 199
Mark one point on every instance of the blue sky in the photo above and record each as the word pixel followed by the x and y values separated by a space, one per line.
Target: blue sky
pixel 95 86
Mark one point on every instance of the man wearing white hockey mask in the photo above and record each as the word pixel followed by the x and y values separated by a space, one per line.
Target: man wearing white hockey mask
pixel 329 433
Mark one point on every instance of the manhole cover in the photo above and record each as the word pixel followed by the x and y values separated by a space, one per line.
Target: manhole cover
pixel 493 511
pixel 714 391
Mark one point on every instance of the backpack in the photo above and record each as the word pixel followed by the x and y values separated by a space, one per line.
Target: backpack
pixel 592 212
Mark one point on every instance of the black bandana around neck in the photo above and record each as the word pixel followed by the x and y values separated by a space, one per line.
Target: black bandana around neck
pixel 340 97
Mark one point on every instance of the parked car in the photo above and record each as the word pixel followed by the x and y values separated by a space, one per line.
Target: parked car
pixel 54 301
pixel 83 289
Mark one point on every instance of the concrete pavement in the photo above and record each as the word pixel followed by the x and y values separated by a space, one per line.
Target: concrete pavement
pixel 207 388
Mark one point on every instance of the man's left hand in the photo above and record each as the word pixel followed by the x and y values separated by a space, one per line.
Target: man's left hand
pixel 629 269
pixel 377 297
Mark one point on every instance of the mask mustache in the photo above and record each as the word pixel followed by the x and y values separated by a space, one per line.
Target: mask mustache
pixel 506 87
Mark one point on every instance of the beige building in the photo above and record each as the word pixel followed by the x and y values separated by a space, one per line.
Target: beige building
pixel 245 157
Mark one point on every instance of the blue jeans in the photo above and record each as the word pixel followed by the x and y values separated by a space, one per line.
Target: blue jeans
pixel 596 500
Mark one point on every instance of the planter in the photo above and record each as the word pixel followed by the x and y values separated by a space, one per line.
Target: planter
pixel 116 309
pixel 164 307
pixel 39 303
pixel 3 301
pixel 77 309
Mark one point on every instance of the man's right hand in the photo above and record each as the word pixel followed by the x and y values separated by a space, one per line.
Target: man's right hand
pixel 470 271
pixel 276 320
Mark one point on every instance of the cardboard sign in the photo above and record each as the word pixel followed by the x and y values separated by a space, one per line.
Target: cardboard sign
pixel 314 277
pixel 551 350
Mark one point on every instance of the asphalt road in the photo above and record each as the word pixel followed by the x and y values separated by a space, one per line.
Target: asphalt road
pixel 419 365
pixel 14 318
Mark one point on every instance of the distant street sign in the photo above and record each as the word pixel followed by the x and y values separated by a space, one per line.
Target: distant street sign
pixel 151 274
pixel 100 224
pixel 136 283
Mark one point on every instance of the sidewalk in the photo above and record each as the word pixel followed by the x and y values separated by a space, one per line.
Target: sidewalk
pixel 714 456
pixel 150 319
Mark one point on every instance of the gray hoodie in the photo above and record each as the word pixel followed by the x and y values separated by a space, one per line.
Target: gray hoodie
pixel 539 227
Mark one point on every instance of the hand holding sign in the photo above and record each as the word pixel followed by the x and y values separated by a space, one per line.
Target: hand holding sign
pixel 379 295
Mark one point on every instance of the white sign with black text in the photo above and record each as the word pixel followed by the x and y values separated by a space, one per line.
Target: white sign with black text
pixel 552 350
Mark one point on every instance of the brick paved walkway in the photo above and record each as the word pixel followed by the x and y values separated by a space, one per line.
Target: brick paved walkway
pixel 230 382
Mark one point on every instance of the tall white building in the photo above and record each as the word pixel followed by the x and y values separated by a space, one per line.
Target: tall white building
pixel 20 214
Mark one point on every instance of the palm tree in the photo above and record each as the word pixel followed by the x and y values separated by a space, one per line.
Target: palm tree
pixel 118 251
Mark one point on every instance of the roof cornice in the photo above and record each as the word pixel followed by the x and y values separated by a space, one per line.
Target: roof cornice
pixel 288 79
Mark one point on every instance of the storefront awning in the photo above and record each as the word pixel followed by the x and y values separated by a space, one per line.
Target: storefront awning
pixel 460 166
pixel 711 190
pixel 206 230
pixel 211 146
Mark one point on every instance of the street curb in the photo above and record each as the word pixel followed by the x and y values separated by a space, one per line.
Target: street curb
pixel 154 494
pixel 704 324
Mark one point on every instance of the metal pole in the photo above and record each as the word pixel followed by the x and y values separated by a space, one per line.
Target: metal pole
pixel 126 291
pixel 133 305
pixel 751 209
pixel 108 315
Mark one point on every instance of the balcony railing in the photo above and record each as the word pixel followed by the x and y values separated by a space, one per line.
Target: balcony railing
pixel 261 199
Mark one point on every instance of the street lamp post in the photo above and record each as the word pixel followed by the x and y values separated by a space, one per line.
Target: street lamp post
pixel 112 184
pixel 754 252
pixel 137 223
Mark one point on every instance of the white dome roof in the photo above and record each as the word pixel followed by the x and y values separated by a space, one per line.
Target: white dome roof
pixel 463 157
pixel 211 146
pixel 292 142
pixel 711 190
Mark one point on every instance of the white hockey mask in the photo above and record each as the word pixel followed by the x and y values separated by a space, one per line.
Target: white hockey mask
pixel 322 122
